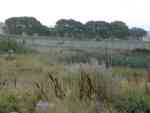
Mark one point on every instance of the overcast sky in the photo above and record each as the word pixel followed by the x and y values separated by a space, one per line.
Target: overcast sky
pixel 133 12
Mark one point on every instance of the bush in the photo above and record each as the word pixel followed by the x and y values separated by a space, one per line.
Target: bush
pixel 11 45
pixel 142 51
pixel 8 103
pixel 133 102
pixel 130 61
pixel 133 60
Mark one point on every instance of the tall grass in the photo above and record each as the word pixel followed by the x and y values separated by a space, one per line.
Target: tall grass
pixel 71 88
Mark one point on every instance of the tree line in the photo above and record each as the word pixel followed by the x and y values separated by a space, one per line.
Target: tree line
pixel 73 29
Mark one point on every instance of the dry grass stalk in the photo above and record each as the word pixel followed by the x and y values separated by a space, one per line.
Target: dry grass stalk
pixel 42 94
pixel 87 89
pixel 56 86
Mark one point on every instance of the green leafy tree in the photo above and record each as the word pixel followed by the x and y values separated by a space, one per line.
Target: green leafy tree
pixel 29 25
pixel 98 29
pixel 70 27
pixel 119 30
pixel 137 32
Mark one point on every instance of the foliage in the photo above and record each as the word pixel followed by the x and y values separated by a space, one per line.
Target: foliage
pixel 28 25
pixel 9 45
pixel 8 103
pixel 84 85
pixel 119 30
pixel 137 32
pixel 142 51
pixel 92 29
pixel 135 58
pixel 133 102
pixel 130 61
pixel 71 28
pixel 98 28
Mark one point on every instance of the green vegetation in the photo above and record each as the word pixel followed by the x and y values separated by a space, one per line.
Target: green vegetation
pixel 74 80
pixel 73 29
pixel 134 58
pixel 8 102
pixel 133 102
pixel 137 32
pixel 11 46
pixel 28 80
pixel 87 87
pixel 28 25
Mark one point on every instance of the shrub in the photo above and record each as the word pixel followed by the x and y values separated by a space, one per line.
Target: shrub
pixel 130 61
pixel 8 103
pixel 133 102
pixel 142 51
pixel 10 44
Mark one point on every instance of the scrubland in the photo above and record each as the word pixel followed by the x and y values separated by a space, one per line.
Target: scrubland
pixel 71 86
pixel 65 80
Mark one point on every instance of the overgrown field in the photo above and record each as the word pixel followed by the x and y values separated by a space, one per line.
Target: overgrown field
pixel 69 80
pixel 28 79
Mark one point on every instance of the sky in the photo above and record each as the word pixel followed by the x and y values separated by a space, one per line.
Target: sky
pixel 135 13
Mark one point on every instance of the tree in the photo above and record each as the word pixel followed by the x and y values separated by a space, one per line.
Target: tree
pixel 29 25
pixel 119 30
pixel 137 32
pixel 98 29
pixel 70 27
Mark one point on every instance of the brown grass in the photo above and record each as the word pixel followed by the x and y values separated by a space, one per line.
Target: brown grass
pixel 67 88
